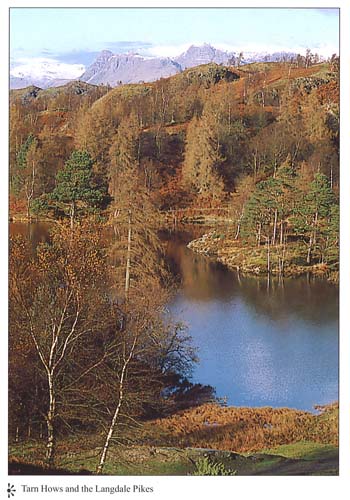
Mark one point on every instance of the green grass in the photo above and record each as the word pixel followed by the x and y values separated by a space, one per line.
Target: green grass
pixel 305 450
pixel 302 458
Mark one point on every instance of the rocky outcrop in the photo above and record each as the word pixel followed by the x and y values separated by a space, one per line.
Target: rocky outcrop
pixel 116 69
pixel 203 54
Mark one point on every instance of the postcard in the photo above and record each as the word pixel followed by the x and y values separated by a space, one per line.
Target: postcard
pixel 174 185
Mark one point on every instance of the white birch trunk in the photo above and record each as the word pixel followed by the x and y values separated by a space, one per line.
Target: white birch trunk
pixel 117 410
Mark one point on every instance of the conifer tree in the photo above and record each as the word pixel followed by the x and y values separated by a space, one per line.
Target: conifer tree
pixel 124 154
pixel 202 161
pixel 23 180
pixel 136 248
pixel 312 210
pixel 75 186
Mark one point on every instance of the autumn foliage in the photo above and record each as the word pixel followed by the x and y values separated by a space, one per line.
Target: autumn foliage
pixel 244 429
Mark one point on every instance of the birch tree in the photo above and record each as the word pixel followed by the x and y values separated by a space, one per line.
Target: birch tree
pixel 150 354
pixel 58 299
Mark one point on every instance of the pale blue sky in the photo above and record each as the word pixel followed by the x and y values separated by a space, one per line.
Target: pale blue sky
pixel 75 35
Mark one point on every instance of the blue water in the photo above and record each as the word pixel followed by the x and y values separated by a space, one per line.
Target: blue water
pixel 259 346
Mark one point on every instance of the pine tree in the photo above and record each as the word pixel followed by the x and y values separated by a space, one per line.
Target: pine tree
pixel 311 212
pixel 75 187
pixel 270 205
pixel 16 179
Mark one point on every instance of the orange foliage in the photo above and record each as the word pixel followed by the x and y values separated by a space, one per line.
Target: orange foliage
pixel 17 206
pixel 244 429
pixel 329 92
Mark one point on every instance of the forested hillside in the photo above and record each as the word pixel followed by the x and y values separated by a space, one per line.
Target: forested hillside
pixel 260 140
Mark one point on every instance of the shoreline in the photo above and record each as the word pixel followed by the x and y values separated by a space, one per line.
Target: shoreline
pixel 253 261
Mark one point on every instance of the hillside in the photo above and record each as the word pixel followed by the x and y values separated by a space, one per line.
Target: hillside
pixel 270 126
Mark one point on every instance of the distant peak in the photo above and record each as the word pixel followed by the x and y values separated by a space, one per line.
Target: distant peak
pixel 104 55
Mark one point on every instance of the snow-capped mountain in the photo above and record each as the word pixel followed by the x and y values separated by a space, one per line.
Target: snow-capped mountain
pixel 42 72
pixel 98 65
pixel 114 69
pixel 203 54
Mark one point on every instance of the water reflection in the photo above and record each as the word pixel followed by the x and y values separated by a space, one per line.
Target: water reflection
pixel 206 280
pixel 259 346
pixel 35 232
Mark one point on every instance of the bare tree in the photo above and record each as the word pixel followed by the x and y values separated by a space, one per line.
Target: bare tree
pixel 51 298
pixel 148 348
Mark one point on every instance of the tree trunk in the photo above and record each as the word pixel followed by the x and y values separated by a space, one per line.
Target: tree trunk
pixel 109 435
pixel 281 232
pixel 331 178
pixel 274 228
pixel 315 229
pixel 309 249
pixel 255 165
pixel 128 259
pixel 239 224
pixel 50 446
pixel 117 410
pixel 313 238
pixel 30 191
pixel 259 235
pixel 28 209
pixel 72 215
pixel 268 264
pixel 268 256
pixel 238 230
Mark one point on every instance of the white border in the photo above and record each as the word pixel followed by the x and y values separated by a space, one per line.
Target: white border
pixel 192 487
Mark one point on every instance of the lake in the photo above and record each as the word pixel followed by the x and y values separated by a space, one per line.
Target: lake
pixel 257 345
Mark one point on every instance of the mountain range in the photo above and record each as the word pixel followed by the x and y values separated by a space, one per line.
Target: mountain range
pixel 116 69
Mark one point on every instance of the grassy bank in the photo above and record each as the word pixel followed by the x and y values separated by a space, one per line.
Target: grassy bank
pixel 176 462
pixel 249 441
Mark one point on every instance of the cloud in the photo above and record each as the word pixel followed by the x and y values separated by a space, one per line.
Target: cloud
pixel 85 57
pixel 171 50
pixel 323 49
pixel 121 47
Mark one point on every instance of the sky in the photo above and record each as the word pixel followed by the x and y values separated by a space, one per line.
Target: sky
pixel 75 36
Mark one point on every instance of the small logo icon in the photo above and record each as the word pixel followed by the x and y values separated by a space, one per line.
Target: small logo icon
pixel 10 490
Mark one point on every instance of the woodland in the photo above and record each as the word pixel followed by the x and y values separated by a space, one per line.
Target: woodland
pixel 92 349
